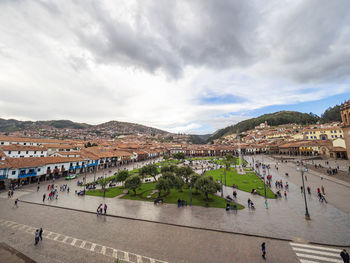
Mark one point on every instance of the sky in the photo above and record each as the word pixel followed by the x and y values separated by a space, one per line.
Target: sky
pixel 182 66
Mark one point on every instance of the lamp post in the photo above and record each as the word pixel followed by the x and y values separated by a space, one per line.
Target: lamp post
pixel 191 194
pixel 222 188
pixel 303 169
pixel 264 171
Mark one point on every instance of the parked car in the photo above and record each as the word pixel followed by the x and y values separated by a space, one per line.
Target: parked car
pixel 72 176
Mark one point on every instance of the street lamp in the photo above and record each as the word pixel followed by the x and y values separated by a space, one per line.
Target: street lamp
pixel 264 171
pixel 303 170
pixel 222 188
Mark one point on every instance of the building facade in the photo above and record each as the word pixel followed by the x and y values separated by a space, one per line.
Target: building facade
pixel 345 116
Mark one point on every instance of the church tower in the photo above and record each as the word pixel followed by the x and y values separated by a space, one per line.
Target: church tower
pixel 345 116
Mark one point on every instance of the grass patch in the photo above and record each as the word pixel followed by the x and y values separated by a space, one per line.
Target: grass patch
pixel 110 192
pixel 245 182
pixel 174 195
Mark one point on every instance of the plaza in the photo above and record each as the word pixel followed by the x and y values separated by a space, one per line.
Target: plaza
pixel 282 224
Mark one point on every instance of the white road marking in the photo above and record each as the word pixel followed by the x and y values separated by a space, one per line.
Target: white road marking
pixel 315 247
pixel 93 245
pixel 73 242
pixel 83 244
pixel 30 229
pixel 103 250
pixel 139 259
pixel 315 252
pixel 319 258
pixel 307 261
pixel 126 256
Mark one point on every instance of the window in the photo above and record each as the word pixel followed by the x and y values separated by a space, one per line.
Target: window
pixel 42 152
pixel 307 137
pixel 341 136
pixel 306 133
pixel 27 152
pixel 39 169
pixel 19 152
pixel 331 131
pixel 336 136
pixel 34 152
pixel 9 152
pixel 13 172
pixel 25 143
pixel 332 136
pixel 2 143
pixel 335 131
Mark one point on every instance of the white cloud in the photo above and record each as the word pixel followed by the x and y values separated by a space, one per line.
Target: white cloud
pixel 152 62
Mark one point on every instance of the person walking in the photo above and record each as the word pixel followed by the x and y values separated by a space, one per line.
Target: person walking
pixel 285 194
pixel 345 256
pixel 301 189
pixel 263 250
pixel 249 202
pixel 105 208
pixel 41 233
pixel 36 237
pixel 308 190
pixel 16 202
pixel 44 196
pixel 38 187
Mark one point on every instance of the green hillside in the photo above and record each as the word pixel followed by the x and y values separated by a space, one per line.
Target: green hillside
pixel 273 119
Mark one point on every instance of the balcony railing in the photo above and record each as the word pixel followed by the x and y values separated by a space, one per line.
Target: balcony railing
pixel 24 175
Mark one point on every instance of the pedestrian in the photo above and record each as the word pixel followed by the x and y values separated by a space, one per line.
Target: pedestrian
pixel 9 194
pixel 249 202
pixel 105 209
pixel 67 189
pixel 301 189
pixel 37 189
pixel 345 256
pixel 36 236
pixel 44 196
pixel 322 189
pixel 285 194
pixel 318 190
pixel 308 190
pixel 16 202
pixel 263 249
pixel 41 233
pixel 56 196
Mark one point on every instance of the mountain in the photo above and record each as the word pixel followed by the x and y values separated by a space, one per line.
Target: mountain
pixel 273 119
pixel 199 139
pixel 111 127
pixel 128 128
pixel 331 114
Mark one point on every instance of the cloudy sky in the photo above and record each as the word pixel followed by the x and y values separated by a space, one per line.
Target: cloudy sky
pixel 183 66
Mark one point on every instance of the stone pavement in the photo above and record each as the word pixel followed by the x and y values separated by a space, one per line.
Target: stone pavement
pixel 153 240
pixel 11 255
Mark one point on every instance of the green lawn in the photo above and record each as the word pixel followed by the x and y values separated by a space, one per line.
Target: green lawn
pixel 245 182
pixel 110 192
pixel 197 198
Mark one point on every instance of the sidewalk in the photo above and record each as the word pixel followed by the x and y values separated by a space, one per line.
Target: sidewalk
pixel 284 218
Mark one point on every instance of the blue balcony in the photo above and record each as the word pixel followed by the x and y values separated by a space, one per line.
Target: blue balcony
pixel 27 175
pixel 2 177
pixel 71 168
pixel 77 167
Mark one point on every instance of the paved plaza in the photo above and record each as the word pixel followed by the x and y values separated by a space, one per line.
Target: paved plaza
pixel 282 223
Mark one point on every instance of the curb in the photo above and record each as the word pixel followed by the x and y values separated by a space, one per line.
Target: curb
pixel 16 253
pixel 184 226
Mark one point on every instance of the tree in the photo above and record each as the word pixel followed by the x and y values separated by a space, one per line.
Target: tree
pixel 133 182
pixel 163 185
pixel 179 156
pixel 150 169
pixel 184 172
pixel 166 157
pixel 103 182
pixel 207 186
pixel 122 175
pixel 193 179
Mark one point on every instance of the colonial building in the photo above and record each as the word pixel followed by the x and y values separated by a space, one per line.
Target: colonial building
pixel 345 116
